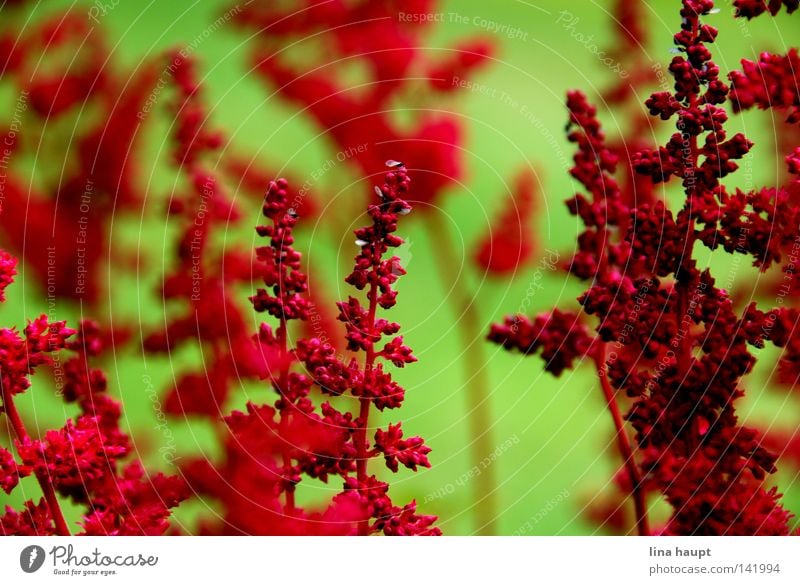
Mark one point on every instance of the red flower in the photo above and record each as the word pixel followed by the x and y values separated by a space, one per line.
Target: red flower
pixel 74 457
pixel 410 452
pixel 8 269
pixel 752 8
pixel 270 451
pixel 560 336
pixel 34 520
pixel 82 459
pixel 771 82
pixel 667 335
pixel 10 472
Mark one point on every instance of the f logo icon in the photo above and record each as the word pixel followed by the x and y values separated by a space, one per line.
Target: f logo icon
pixel 31 558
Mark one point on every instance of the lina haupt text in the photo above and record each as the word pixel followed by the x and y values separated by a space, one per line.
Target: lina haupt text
pixel 698 553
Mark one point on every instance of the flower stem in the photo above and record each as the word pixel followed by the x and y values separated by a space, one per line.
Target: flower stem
pixel 624 445
pixel 284 413
pixel 44 482
pixel 476 374
pixel 364 404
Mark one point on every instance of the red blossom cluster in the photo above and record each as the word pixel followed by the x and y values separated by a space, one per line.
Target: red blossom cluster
pixel 771 82
pixel 670 346
pixel 100 110
pixel 85 461
pixel 753 8
pixel 666 336
pixel 77 105
pixel 270 450
pixel 365 74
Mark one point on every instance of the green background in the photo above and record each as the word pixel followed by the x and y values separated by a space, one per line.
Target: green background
pixel 561 451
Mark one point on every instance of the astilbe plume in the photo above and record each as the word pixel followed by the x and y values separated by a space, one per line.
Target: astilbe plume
pixel 85 461
pixel 309 53
pixel 638 73
pixel 269 450
pixel 665 334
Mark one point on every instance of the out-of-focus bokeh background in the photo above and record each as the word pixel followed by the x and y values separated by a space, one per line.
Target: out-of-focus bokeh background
pixel 555 448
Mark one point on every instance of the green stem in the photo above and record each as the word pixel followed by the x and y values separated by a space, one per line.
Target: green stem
pixel 475 372
pixel 364 404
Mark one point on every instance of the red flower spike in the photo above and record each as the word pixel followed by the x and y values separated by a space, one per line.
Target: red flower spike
pixel 667 336
pixel 271 450
pixel 135 504
pixel 203 277
pixel 75 457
